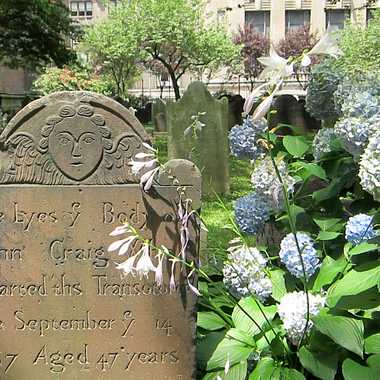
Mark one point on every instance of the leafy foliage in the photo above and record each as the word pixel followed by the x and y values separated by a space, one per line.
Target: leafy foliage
pixel 296 42
pixel 114 50
pixel 361 47
pixel 341 339
pixel 71 79
pixel 253 46
pixel 33 33
pixel 171 32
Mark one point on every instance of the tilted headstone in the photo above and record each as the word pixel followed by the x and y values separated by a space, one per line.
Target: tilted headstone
pixel 67 313
pixel 210 149
pixel 159 115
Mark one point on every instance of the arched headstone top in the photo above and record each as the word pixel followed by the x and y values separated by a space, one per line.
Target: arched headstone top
pixel 71 138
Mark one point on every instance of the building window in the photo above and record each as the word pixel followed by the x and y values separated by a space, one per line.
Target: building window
pixel 335 18
pixel 296 19
pixel 81 9
pixel 259 21
pixel 221 17
pixel 370 13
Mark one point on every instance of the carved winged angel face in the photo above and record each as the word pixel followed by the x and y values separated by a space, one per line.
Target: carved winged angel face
pixel 76 147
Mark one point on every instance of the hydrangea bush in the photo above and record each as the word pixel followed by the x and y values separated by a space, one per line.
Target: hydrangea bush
pixel 305 308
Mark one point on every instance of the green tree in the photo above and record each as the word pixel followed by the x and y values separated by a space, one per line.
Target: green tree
pixel 34 33
pixel 173 33
pixel 361 48
pixel 113 48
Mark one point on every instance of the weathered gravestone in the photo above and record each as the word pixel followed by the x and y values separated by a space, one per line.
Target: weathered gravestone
pixel 66 312
pixel 210 149
pixel 159 115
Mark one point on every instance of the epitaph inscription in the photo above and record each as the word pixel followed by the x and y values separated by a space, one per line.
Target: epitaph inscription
pixel 67 313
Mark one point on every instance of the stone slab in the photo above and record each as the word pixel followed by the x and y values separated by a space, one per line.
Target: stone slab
pixel 67 312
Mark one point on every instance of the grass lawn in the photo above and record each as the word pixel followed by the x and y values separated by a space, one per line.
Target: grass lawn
pixel 215 216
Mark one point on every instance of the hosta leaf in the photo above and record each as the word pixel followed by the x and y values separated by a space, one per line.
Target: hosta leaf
pixel 372 344
pixel 235 347
pixel 356 281
pixel 363 248
pixel 297 146
pixel 247 315
pixel 236 372
pixel 209 320
pixel 328 235
pixel 346 332
pixel 321 365
pixel 327 224
pixel 278 284
pixel 265 370
pixel 328 271
pixel 355 371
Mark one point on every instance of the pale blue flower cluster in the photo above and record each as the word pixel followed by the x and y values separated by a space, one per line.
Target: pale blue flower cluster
pixel 266 183
pixel 251 213
pixel 290 257
pixel 354 133
pixel 369 172
pixel 244 273
pixel 359 228
pixel 293 313
pixel 244 139
pixel 361 104
pixel 353 93
pixel 322 142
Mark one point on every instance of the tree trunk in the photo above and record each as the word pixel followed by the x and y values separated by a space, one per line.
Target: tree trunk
pixel 174 79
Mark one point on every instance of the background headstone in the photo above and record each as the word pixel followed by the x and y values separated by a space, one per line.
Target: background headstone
pixel 67 313
pixel 209 151
pixel 159 115
pixel 235 109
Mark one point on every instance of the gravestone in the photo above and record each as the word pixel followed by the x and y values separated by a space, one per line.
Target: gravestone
pixel 159 115
pixel 67 313
pixel 210 149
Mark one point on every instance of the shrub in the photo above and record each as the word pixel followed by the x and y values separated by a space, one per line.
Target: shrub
pixel 296 41
pixel 71 79
pixel 323 83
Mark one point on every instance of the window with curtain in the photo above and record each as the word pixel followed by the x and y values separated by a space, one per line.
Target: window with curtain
pixel 335 18
pixel 296 19
pixel 81 8
pixel 259 20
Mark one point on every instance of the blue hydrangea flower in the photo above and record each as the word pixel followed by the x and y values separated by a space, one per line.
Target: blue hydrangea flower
pixel 354 133
pixel 289 255
pixel 251 213
pixel 360 104
pixel 322 142
pixel 244 139
pixel 266 183
pixel 369 172
pixel 244 273
pixel 359 228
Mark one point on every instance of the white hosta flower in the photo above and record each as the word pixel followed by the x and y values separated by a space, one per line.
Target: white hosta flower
pixel 327 45
pixel 146 165
pixel 276 67
pixel 146 180
pixel 125 244
pixel 253 97
pixel 264 107
pixel 144 265
pixel 127 266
